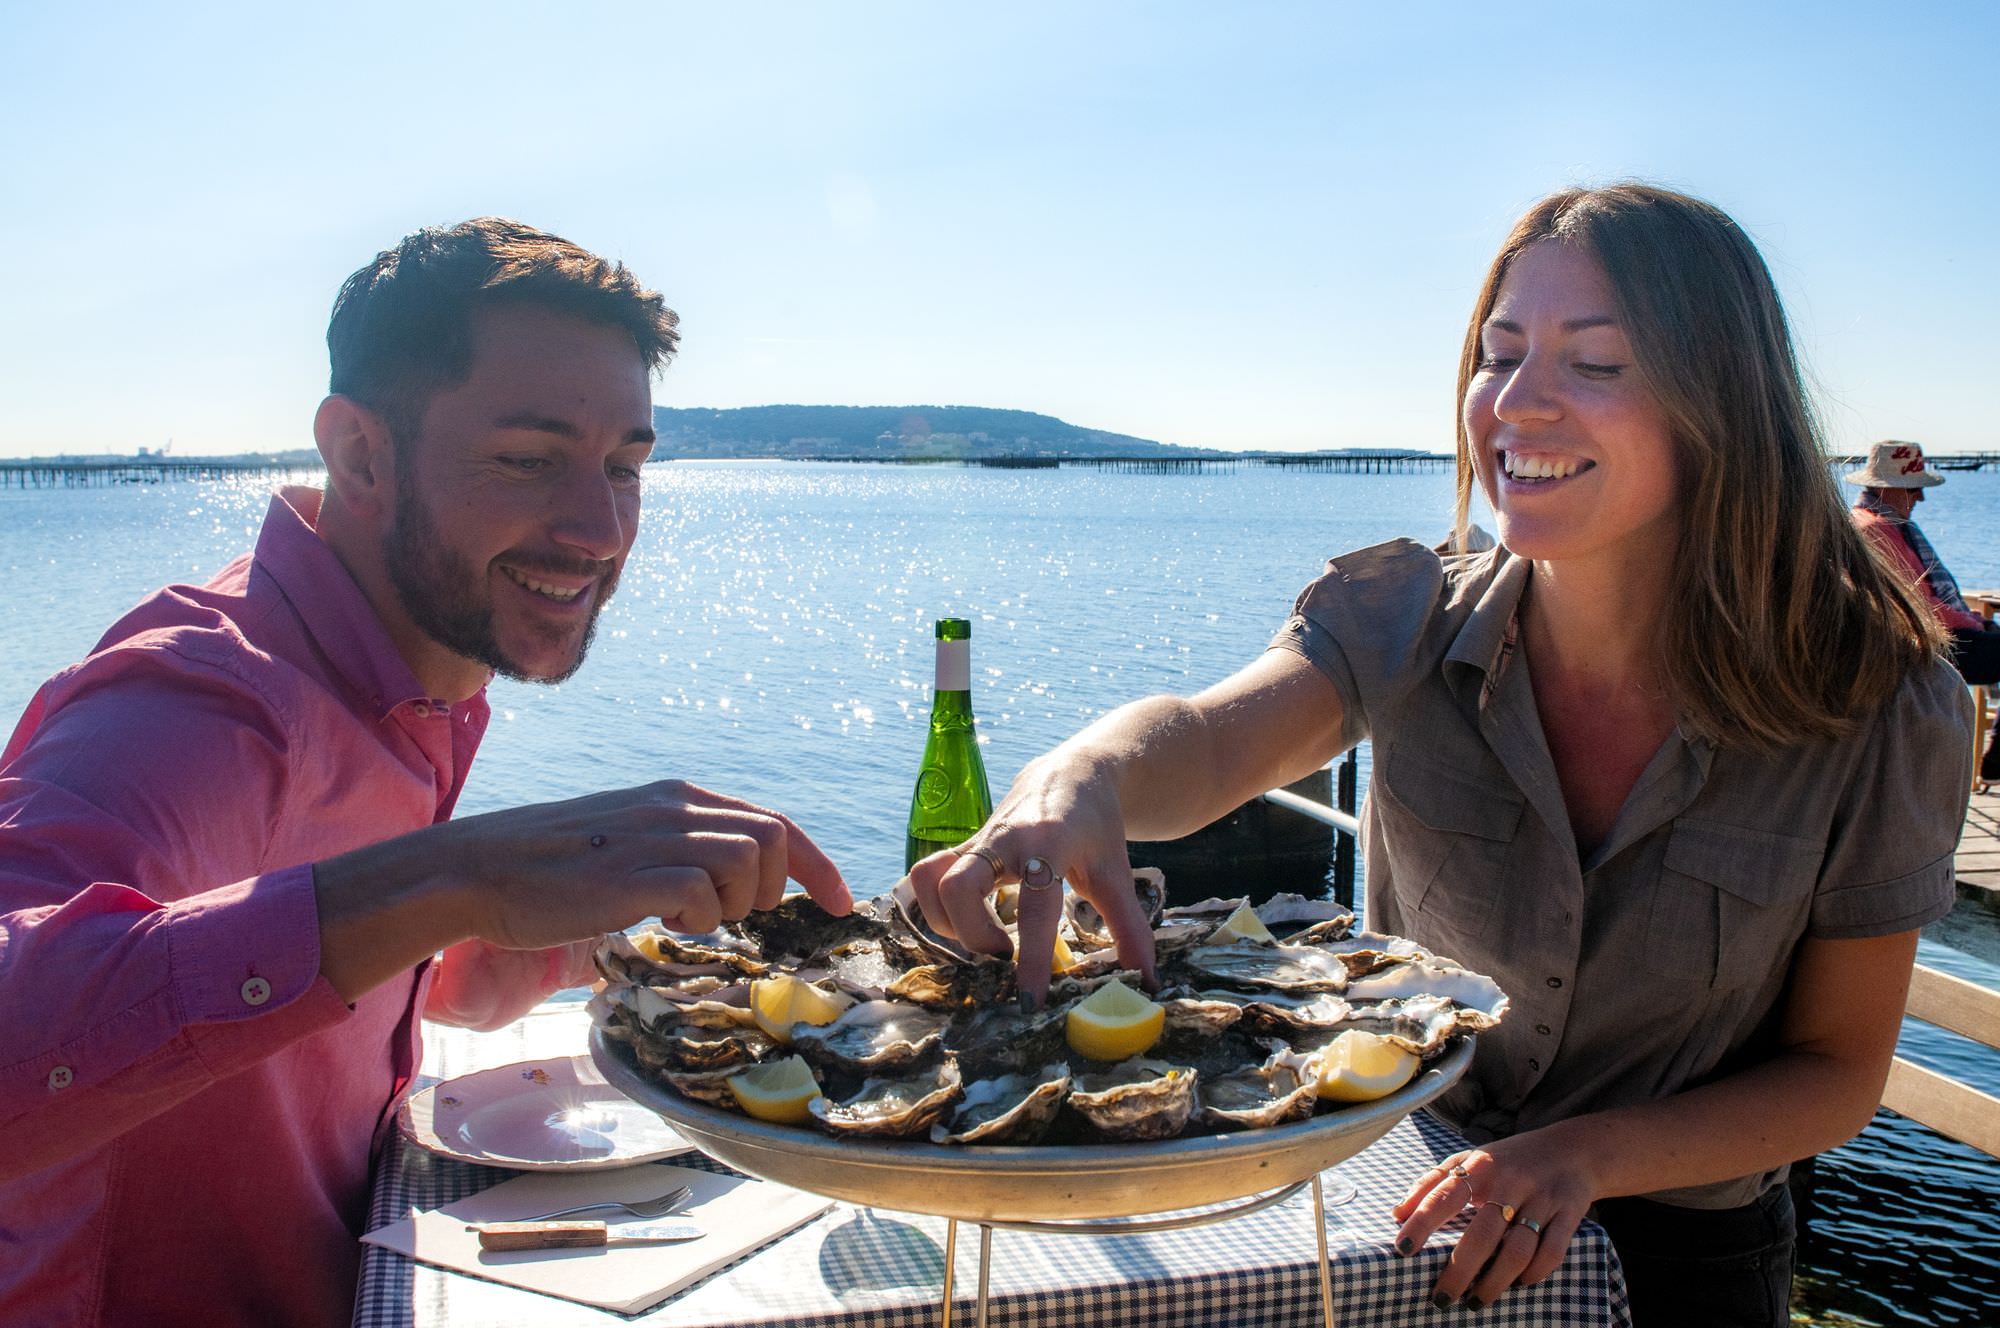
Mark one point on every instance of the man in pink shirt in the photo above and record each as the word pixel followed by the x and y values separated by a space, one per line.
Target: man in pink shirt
pixel 228 882
pixel 1892 484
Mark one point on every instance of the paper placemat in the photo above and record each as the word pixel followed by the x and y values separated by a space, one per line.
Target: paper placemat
pixel 739 1214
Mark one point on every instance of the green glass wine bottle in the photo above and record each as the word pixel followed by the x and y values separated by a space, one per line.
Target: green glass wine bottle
pixel 951 799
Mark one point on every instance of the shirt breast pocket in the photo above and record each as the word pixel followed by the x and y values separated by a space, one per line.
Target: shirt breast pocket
pixel 1447 836
pixel 1730 902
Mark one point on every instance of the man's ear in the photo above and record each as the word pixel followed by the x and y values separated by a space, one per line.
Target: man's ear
pixel 360 465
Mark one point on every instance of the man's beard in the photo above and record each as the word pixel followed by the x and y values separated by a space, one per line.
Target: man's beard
pixel 442 591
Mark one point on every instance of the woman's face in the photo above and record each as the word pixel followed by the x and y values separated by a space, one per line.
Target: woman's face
pixel 1571 447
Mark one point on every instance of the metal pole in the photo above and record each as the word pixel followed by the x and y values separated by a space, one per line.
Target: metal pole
pixel 950 1261
pixel 985 1267
pixel 1345 780
pixel 1325 1268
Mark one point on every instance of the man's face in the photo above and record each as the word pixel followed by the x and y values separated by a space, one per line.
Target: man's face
pixel 518 501
pixel 1900 501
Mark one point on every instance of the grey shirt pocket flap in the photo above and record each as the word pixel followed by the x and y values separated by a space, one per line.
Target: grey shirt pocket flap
pixel 1756 866
pixel 1445 797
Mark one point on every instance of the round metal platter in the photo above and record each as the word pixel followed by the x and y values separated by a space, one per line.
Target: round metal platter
pixel 1026 1184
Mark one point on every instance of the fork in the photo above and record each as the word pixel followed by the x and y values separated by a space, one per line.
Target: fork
pixel 659 1207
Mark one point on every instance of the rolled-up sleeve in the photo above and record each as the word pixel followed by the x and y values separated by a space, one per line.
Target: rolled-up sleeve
pixel 138 964
pixel 1889 867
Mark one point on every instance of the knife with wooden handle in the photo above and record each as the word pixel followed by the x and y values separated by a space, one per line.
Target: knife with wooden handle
pixel 579 1235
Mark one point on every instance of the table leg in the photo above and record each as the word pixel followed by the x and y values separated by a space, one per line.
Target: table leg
pixel 1325 1268
pixel 950 1263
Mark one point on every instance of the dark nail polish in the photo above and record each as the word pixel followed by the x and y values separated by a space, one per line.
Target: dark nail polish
pixel 1474 1303
pixel 1404 1245
pixel 1441 1301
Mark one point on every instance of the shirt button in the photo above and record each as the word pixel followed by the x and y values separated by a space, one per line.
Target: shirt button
pixel 256 991
pixel 1534 1065
pixel 1543 1029
pixel 1555 982
pixel 422 709
pixel 61 1078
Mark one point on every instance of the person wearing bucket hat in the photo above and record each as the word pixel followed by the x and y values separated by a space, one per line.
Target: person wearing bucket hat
pixel 1892 483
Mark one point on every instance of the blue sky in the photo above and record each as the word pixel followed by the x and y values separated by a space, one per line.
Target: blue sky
pixel 1253 225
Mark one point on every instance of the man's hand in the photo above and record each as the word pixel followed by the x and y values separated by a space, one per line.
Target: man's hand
pixel 533 877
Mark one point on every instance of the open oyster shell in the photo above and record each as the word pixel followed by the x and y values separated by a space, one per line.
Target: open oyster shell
pixel 1255 965
pixel 1088 929
pixel 1264 1095
pixel 1009 1109
pixel 897 1106
pixel 874 1037
pixel 1138 1098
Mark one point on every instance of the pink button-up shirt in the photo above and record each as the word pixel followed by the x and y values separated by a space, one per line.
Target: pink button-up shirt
pixel 187 1108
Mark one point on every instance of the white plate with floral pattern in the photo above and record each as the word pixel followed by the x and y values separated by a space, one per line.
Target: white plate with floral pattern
pixel 556 1114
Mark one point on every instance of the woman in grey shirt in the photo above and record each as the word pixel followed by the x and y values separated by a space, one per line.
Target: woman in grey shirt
pixel 1679 763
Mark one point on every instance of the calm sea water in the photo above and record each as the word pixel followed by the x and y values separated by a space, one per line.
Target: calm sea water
pixel 772 640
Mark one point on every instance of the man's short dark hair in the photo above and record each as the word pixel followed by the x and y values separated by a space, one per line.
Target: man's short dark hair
pixel 402 326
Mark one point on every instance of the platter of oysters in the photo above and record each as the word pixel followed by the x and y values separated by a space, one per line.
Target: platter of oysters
pixel 870 1058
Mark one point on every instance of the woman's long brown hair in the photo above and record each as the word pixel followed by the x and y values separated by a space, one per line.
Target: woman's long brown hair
pixel 1782 623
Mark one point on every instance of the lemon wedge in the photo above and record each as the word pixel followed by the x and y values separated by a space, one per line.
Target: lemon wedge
pixel 1242 925
pixel 1114 1022
pixel 777 1091
pixel 777 1003
pixel 1064 958
pixel 1359 1066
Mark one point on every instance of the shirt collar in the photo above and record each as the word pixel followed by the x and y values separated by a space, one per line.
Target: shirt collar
pixel 334 611
pixel 1868 502
pixel 1485 642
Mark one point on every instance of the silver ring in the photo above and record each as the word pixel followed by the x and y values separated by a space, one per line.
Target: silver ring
pixel 1532 1225
pixel 1036 874
pixel 1458 1171
pixel 981 851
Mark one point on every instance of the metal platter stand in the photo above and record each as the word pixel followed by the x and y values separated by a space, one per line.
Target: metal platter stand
pixel 1071 1189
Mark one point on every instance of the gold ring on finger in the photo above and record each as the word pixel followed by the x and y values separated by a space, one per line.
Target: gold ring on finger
pixel 981 851
pixel 1506 1212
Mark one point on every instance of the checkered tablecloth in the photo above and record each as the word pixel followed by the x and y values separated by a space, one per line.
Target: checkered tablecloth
pixel 868 1268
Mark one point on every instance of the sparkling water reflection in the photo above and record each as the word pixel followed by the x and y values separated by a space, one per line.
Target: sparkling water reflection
pixel 772 640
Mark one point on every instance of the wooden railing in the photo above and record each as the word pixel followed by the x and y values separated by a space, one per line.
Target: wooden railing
pixel 1944 1104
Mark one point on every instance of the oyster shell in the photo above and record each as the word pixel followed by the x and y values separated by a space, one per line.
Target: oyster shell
pixel 1264 1095
pixel 1257 966
pixel 1430 977
pixel 874 1037
pixel 1289 1015
pixel 1089 930
pixel 1010 1109
pixel 1422 1024
pixel 985 981
pixel 893 1106
pixel 1138 1098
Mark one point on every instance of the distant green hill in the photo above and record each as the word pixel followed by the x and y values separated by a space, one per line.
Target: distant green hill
pixel 915 432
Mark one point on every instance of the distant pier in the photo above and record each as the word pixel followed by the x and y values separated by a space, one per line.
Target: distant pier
pixel 94 474
pixel 1384 462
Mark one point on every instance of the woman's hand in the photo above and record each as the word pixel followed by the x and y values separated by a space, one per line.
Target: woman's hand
pixel 1539 1178
pixel 1061 821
